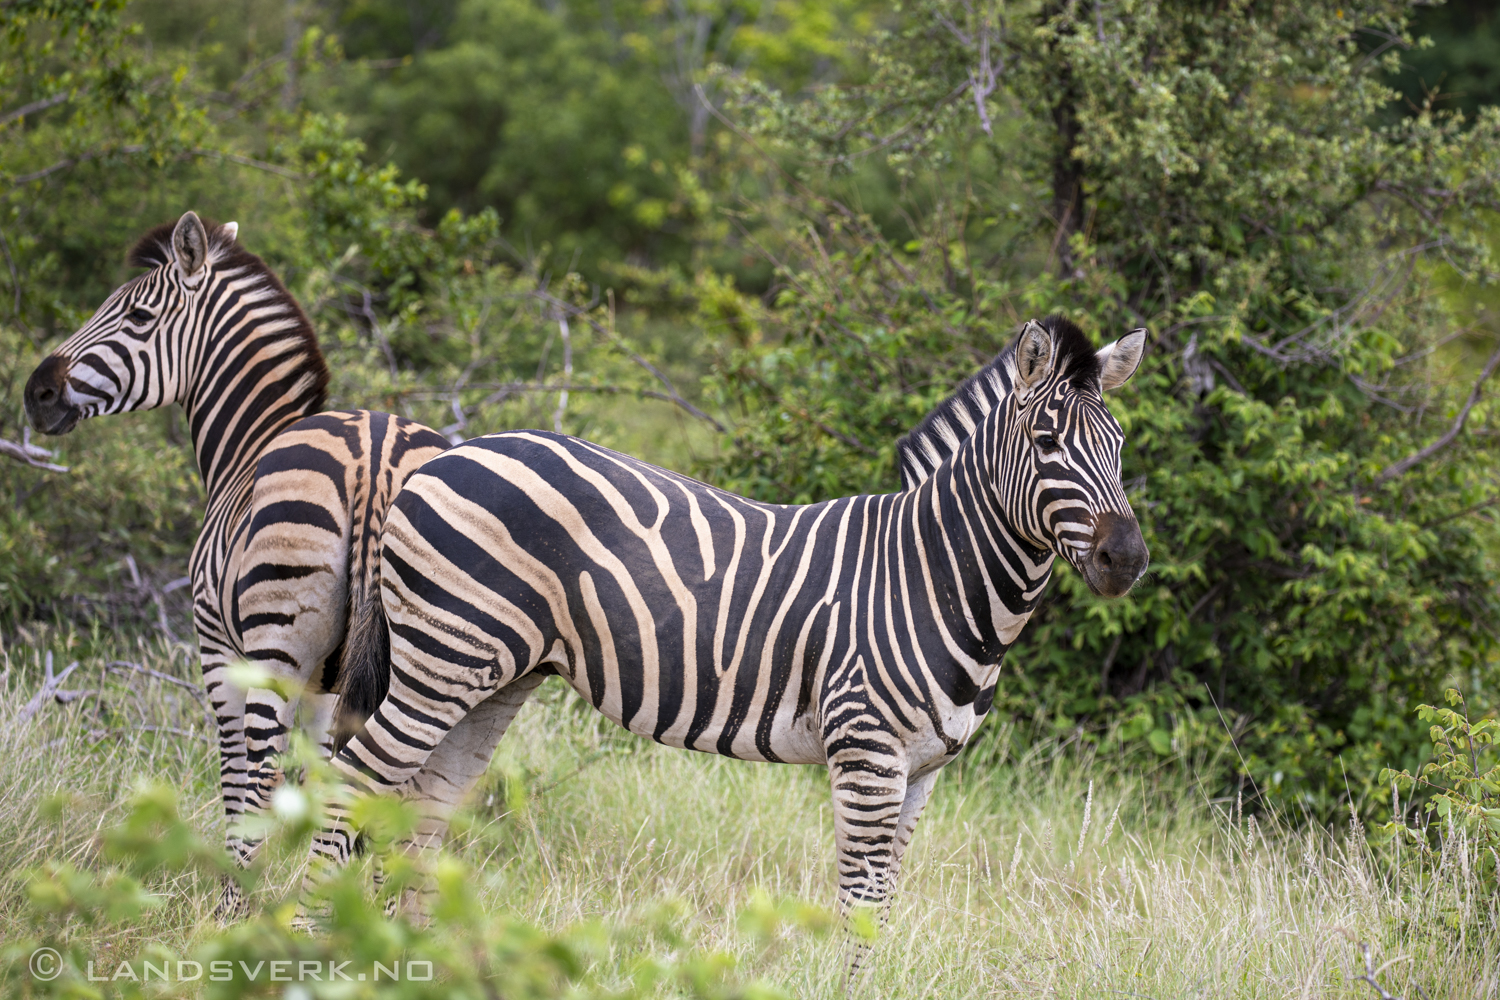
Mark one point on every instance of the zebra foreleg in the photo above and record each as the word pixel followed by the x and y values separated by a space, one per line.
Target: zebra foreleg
pixel 918 791
pixel 869 799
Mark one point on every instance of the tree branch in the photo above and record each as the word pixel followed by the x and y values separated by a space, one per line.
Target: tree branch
pixel 568 309
pixel 499 390
pixel 71 162
pixel 51 688
pixel 1409 462
pixel 246 161
pixel 68 164
pixel 1472 508
pixel 29 454
pixel 805 415
pixel 33 108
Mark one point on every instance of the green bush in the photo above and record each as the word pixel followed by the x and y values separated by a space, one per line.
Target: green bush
pixel 462 952
pixel 1458 790
pixel 1321 556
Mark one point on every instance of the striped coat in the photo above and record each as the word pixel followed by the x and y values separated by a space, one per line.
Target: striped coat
pixel 296 498
pixel 865 633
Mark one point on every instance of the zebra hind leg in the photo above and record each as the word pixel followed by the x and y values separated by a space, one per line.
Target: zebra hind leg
pixel 451 771
pixel 385 755
pixel 918 791
pixel 228 703
pixel 268 720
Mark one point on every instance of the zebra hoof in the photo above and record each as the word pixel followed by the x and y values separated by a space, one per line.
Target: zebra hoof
pixel 233 906
pixel 304 923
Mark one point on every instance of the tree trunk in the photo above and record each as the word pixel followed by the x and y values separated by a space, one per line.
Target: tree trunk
pixel 1067 171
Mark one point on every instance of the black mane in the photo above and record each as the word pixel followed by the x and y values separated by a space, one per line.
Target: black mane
pixel 154 250
pixel 940 433
pixel 1077 359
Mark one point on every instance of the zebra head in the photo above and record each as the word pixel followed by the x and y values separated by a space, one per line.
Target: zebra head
pixel 132 354
pixel 1058 464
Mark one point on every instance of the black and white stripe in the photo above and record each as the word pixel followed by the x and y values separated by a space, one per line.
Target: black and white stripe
pixel 863 633
pixel 295 501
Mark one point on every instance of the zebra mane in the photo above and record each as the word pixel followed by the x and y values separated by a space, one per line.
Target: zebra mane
pixel 929 444
pixel 225 253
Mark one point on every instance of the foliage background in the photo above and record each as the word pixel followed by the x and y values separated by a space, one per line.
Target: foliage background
pixel 1297 198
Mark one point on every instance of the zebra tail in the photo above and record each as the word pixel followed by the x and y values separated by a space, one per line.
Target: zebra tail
pixel 365 671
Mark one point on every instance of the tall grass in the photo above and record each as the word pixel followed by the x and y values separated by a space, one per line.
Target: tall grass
pixel 1036 871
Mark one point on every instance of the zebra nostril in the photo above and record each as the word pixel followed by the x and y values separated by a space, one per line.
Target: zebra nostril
pixel 1104 557
pixel 46 394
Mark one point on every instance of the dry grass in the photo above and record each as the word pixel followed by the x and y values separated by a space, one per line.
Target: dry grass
pixel 1050 874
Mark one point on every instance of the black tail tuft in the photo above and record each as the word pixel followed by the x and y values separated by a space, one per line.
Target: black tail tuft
pixel 365 674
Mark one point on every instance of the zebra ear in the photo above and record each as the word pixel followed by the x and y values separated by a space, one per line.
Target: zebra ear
pixel 190 243
pixel 231 229
pixel 1034 354
pixel 1118 361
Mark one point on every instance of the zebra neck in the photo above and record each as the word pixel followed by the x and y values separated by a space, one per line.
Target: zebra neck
pixel 991 576
pixel 247 386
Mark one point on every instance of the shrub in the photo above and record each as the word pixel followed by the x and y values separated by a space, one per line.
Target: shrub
pixel 463 951
pixel 1458 790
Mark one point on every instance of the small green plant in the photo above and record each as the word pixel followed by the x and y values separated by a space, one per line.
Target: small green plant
pixel 1461 785
pixel 463 951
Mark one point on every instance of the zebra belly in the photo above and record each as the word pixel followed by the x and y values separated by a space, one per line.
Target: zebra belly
pixel 795 739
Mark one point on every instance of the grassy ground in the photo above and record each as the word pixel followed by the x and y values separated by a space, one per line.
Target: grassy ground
pixel 1038 873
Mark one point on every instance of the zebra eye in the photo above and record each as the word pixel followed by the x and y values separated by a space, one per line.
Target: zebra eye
pixel 1046 442
pixel 139 315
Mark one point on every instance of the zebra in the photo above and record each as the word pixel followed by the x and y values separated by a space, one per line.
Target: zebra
pixel 864 633
pixel 295 497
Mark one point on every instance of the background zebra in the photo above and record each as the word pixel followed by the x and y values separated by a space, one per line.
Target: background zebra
pixel 863 633
pixel 295 502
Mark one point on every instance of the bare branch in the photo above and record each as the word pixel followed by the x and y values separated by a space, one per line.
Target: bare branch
pixel 71 162
pixel 1471 509
pixel 1234 383
pixel 247 161
pixel 672 395
pixel 1370 971
pixel 1409 462
pixel 126 667
pixel 983 79
pixel 50 688
pixel 500 390
pixel 34 107
pixel 29 454
pixel 799 411
pixel 98 735
pixel 562 396
pixel 367 312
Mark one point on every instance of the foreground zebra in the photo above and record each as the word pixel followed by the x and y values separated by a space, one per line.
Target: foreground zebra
pixel 864 633
pixel 295 502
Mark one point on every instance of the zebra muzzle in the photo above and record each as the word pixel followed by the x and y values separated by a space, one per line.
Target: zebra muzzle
pixel 1119 555
pixel 46 400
